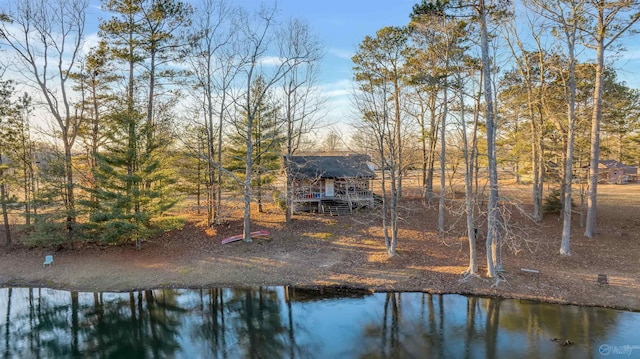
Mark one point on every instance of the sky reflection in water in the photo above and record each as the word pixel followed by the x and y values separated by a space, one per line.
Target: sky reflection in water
pixel 287 322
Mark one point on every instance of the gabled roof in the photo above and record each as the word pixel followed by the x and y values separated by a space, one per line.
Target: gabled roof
pixel 611 164
pixel 350 166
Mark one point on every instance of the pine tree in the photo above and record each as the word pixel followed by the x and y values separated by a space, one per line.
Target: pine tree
pixel 123 207
pixel 6 137
pixel 16 152
pixel 132 185
pixel 267 139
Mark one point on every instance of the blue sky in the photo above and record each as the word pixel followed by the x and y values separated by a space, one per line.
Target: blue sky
pixel 342 24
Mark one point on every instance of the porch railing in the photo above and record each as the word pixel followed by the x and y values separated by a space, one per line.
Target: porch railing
pixel 359 195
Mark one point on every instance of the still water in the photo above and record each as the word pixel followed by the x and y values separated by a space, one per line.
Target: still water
pixel 287 322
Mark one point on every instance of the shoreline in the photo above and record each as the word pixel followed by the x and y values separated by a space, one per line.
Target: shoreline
pixel 496 294
pixel 349 252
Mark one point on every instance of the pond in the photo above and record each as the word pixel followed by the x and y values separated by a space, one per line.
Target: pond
pixel 288 322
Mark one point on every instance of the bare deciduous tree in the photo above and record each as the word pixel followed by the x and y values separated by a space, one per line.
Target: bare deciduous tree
pixel 302 100
pixel 258 38
pixel 46 38
pixel 565 15
pixel 608 28
pixel 531 67
pixel 214 63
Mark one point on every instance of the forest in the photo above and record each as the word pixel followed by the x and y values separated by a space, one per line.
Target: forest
pixel 208 102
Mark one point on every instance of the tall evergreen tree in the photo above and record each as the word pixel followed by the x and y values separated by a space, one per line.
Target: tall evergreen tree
pixel 267 139
pixel 93 82
pixel 6 137
pixel 379 73
pixel 122 207
pixel 16 152
pixel 162 27
pixel 131 184
pixel 482 13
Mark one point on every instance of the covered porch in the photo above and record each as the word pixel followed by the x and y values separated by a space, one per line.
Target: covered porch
pixel 331 184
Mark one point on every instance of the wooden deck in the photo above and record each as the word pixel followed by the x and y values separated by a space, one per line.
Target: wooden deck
pixel 319 201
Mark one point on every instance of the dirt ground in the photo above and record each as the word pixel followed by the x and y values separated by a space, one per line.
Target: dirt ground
pixel 349 251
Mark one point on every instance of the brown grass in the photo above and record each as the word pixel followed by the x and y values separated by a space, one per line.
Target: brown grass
pixel 349 251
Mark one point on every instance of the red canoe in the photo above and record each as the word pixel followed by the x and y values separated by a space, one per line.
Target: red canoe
pixel 257 234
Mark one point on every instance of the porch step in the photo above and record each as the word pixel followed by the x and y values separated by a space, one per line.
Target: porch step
pixel 336 208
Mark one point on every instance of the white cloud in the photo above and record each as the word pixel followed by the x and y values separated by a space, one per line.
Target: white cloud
pixel 340 53
pixel 337 89
pixel 90 41
pixel 339 107
pixel 271 61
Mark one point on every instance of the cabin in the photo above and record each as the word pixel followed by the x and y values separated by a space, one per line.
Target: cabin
pixel 613 172
pixel 331 184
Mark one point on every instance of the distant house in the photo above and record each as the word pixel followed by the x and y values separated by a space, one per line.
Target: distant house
pixel 331 184
pixel 614 172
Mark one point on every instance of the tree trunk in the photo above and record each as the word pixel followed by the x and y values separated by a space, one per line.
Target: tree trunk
pixel 443 142
pixel 34 184
pixel 565 246
pixel 592 206
pixel 288 188
pixel 211 173
pixel 246 231
pixel 259 194
pixel 5 210
pixel 492 209
pixel 26 163
pixel 199 175
pixel 423 142
pixel 70 200
pixel 27 193
pixel 385 200
pixel 398 131
pixel 47 45
pixel 395 197
pixel 433 136
pixel 218 195
pixel 468 186
pixel 536 157
pixel 443 150
pixel 150 101
pixel 539 170
pixel 288 155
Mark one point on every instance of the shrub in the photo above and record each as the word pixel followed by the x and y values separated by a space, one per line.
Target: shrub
pixel 553 202
pixel 280 200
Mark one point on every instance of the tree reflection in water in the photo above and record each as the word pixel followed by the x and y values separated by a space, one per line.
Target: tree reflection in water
pixel 277 322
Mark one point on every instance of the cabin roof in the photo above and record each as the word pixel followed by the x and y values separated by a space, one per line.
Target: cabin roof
pixel 612 164
pixel 350 166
